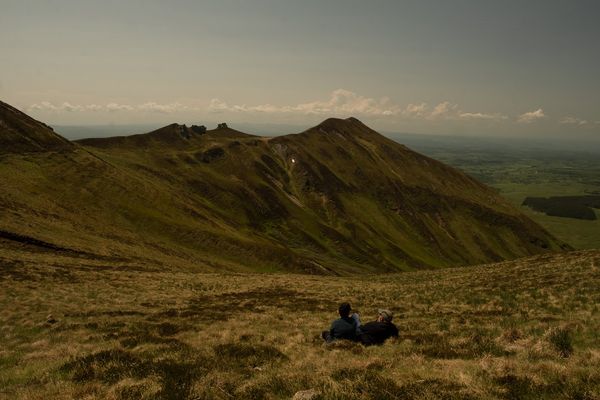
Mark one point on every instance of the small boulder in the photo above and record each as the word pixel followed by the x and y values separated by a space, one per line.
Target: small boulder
pixel 309 394
pixel 50 319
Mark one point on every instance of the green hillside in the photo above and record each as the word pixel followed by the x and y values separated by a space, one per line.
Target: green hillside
pixel 338 198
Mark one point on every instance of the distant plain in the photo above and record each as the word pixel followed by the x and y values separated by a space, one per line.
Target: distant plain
pixel 520 169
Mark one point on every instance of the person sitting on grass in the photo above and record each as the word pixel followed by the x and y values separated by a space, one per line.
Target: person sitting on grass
pixel 378 331
pixel 343 328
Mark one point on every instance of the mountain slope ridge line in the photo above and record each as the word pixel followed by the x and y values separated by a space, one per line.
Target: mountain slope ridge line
pixel 336 197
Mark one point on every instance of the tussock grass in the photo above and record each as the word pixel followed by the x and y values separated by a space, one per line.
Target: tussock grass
pixel 526 329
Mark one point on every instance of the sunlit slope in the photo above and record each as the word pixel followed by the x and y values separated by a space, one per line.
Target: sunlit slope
pixel 338 198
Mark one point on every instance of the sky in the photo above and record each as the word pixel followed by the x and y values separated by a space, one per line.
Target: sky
pixel 485 68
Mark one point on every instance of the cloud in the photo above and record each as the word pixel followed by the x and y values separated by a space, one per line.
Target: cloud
pixel 66 106
pixel 162 108
pixel 450 111
pixel 531 116
pixel 447 111
pixel 415 110
pixel 573 121
pixel 94 107
pixel 217 106
pixel 340 101
pixel 443 110
pixel 484 116
pixel 70 107
pixel 43 106
pixel 110 107
pixel 345 102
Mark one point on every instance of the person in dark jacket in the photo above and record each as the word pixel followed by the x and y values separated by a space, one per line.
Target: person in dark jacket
pixel 378 331
pixel 343 328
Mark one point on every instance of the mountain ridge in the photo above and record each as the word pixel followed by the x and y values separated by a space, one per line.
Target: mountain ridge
pixel 338 198
pixel 21 133
pixel 173 134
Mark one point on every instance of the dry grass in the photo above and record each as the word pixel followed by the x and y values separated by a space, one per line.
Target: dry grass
pixel 526 329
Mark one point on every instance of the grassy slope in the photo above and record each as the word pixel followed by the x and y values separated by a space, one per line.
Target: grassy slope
pixel 524 329
pixel 351 202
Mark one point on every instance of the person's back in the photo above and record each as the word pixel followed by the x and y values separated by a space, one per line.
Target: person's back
pixel 379 331
pixel 342 328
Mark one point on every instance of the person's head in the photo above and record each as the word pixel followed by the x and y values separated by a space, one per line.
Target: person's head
pixel 344 309
pixel 385 316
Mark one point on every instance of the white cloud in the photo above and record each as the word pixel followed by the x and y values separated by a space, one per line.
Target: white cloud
pixel 217 106
pixel 478 115
pixel 531 116
pixel 47 106
pixel 162 108
pixel 340 101
pixel 94 107
pixel 573 121
pixel 43 106
pixel 110 107
pixel 444 110
pixel 71 107
pixel 415 110
pixel 447 111
pixel 345 102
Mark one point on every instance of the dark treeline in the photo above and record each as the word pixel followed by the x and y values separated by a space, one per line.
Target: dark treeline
pixel 580 207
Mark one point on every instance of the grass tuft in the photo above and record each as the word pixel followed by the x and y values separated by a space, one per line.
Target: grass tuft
pixel 561 339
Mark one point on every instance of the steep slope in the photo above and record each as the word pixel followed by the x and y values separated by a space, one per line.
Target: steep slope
pixel 399 206
pixel 337 198
pixel 21 133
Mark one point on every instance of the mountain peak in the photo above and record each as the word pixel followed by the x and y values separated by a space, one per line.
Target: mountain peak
pixel 19 133
pixel 339 123
pixel 348 127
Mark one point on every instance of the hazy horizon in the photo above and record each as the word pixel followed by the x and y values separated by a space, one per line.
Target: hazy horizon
pixel 478 68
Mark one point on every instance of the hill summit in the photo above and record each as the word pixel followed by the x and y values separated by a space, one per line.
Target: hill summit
pixel 338 198
pixel 21 133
